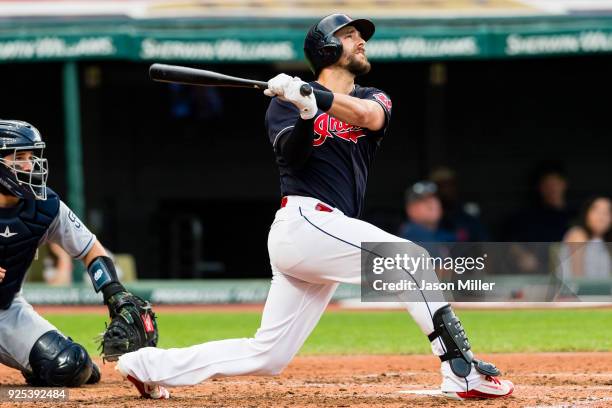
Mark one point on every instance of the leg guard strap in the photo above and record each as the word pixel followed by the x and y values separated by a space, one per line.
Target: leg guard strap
pixel 448 328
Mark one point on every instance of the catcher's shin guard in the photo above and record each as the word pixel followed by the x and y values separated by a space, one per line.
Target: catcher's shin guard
pixel 57 361
pixel 448 328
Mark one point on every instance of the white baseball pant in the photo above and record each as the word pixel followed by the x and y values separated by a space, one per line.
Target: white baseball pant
pixel 311 251
pixel 20 327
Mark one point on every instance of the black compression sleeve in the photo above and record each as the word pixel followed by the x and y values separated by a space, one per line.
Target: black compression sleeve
pixel 324 99
pixel 296 146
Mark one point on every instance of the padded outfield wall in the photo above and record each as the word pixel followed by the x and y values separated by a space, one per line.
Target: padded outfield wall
pixel 280 40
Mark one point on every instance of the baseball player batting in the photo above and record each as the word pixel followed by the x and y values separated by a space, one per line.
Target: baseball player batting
pixel 325 144
pixel 31 215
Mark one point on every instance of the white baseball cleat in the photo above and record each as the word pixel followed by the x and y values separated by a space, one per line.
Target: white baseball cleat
pixel 490 387
pixel 151 391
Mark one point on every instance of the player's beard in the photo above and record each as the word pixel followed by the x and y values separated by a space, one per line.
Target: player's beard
pixel 357 66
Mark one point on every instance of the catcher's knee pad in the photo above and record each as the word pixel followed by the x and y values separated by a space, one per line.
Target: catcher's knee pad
pixel 458 350
pixel 59 362
pixel 95 376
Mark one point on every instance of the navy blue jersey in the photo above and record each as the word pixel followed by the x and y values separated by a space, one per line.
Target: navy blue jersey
pixel 337 170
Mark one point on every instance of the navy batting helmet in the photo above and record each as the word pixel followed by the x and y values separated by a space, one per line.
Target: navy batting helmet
pixel 322 49
pixel 22 177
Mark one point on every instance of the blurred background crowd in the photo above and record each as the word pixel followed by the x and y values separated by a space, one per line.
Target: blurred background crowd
pixel 436 213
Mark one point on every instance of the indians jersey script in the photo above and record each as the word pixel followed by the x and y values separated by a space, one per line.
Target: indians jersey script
pixel 337 170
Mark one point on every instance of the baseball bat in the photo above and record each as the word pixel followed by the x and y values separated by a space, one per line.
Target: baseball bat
pixel 192 76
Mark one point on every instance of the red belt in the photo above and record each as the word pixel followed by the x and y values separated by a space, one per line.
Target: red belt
pixel 318 207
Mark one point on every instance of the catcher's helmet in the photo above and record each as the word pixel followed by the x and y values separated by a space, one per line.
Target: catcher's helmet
pixel 22 178
pixel 322 49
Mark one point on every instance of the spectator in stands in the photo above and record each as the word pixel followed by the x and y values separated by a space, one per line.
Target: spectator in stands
pixel 549 218
pixel 587 250
pixel 57 266
pixel 546 221
pixel 51 265
pixel 460 217
pixel 424 212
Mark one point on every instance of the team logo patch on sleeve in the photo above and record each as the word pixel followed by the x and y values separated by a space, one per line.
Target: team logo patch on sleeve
pixel 384 99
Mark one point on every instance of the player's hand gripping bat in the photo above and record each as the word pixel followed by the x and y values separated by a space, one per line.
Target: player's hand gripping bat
pixel 192 76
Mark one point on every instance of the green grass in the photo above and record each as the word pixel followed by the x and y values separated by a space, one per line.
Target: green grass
pixel 381 332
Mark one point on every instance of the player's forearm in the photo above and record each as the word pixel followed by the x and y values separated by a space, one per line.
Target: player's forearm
pixel 358 112
pixel 101 270
pixel 96 250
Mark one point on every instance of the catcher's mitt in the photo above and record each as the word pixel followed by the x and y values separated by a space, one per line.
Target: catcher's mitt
pixel 132 326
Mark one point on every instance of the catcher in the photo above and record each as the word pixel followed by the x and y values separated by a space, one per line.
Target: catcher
pixel 30 215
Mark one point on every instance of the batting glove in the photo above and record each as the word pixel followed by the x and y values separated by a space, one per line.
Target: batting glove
pixel 306 104
pixel 277 85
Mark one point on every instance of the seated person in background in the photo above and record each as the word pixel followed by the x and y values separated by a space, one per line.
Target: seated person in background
pixel 51 265
pixel 544 222
pixel 586 254
pixel 458 216
pixel 424 212
pixel 549 218
pixel 57 266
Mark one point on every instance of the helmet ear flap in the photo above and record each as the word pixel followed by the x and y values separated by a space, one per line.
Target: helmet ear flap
pixel 331 50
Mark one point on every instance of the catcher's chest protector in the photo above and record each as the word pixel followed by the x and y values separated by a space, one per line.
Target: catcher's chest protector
pixel 21 229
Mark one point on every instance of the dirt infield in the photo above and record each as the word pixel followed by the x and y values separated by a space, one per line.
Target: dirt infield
pixel 542 380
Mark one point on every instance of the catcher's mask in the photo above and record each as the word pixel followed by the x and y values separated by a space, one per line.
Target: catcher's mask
pixel 22 175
